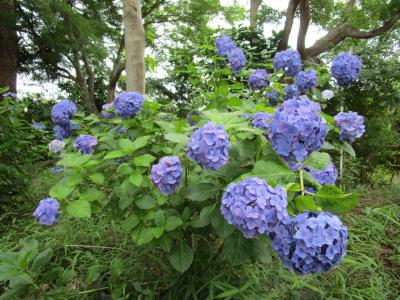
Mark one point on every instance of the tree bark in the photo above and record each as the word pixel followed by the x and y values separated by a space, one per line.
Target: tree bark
pixel 290 12
pixel 8 45
pixel 118 67
pixel 134 46
pixel 254 5
pixel 304 23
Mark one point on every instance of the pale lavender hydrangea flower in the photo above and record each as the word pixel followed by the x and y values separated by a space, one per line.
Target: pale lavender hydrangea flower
pixel 254 207
pixel 128 104
pixel 47 212
pixel 85 143
pixel 327 94
pixel 311 242
pixel 166 175
pixel 346 68
pixel 209 146
pixel 56 146
pixel 38 126
pixel 288 61
pixel 351 125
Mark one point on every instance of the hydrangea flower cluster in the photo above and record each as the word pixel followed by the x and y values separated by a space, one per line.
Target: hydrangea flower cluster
pixel 325 176
pixel 327 94
pixel 166 175
pixel 237 60
pixel 290 91
pixel 311 242
pixel 224 45
pixel 128 104
pixel 38 126
pixel 351 125
pixel 85 143
pixel 10 95
pixel 288 61
pixel 56 146
pixel 306 80
pixel 57 169
pixel 272 97
pixel 105 112
pixel 346 68
pixel 61 113
pixel 297 129
pixel 261 120
pixel 209 146
pixel 254 207
pixel 48 211
pixel 122 129
pixel 258 79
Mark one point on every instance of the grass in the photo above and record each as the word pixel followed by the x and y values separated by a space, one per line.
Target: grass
pixel 96 259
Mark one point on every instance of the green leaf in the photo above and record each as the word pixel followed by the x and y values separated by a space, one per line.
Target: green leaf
pixel 201 191
pixel 42 259
pixel 74 160
pixel 349 149
pixel 144 160
pixel 220 225
pixel 236 249
pixel 136 178
pixel 93 273
pixel 126 146
pixel 145 236
pixel 60 191
pixel 79 209
pixel 140 142
pixel 91 194
pixel 159 218
pixel 178 138
pixel 172 223
pixel 181 256
pixel 124 169
pixel 115 154
pixel 332 199
pixel 317 160
pixel 146 202
pixel 131 222
pixel 260 249
pixel 304 203
pixel 72 180
pixel 97 178
pixel 274 170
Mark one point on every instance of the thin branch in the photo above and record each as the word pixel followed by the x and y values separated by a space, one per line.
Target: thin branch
pixel 290 12
pixel 156 5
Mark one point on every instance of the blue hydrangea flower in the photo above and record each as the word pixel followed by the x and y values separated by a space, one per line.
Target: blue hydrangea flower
pixel 85 143
pixel 63 111
pixel 351 125
pixel 128 104
pixel 290 91
pixel 237 60
pixel 64 131
pixel 272 97
pixel 258 79
pixel 261 120
pixel 246 116
pixel 254 207
pixel 56 146
pixel 57 170
pixel 346 68
pixel 306 80
pixel 48 211
pixel 325 176
pixel 106 113
pixel 288 61
pixel 10 95
pixel 38 126
pixel 311 242
pixel 209 146
pixel 224 45
pixel 297 129
pixel 166 175
pixel 192 117
pixel 122 129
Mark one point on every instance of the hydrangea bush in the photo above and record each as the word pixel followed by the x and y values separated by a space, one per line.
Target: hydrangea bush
pixel 244 174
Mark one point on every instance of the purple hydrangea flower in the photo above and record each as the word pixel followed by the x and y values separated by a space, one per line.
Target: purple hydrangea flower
pixel 272 97
pixel 85 143
pixel 38 126
pixel 346 68
pixel 311 242
pixel 64 131
pixel 56 146
pixel 209 146
pixel 258 79
pixel 106 113
pixel 246 116
pixel 297 129
pixel 351 125
pixel 128 104
pixel 306 80
pixel 325 176
pixel 57 170
pixel 48 211
pixel 166 175
pixel 290 91
pixel 237 60
pixel 63 111
pixel 254 207
pixel 288 61
pixel 261 120
pixel 224 45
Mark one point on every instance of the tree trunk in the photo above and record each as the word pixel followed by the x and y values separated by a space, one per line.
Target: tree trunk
pixel 254 5
pixel 134 46
pixel 290 12
pixel 8 45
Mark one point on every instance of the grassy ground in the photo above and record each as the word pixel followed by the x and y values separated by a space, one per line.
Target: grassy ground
pixel 95 258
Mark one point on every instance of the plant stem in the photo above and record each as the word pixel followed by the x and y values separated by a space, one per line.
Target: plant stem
pixel 301 182
pixel 96 247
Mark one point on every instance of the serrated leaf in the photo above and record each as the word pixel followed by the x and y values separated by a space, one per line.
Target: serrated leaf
pixel 74 160
pixel 146 202
pixel 274 170
pixel 144 160
pixel 145 236
pixel 136 179
pixel 140 142
pixel 178 138
pixel 181 256
pixel 304 203
pixel 79 209
pixel 201 191
pixel 236 249
pixel 317 160
pixel 333 199
pixel 172 223
pixel 115 154
pixel 60 191
pixel 91 194
pixel 131 222
pixel 97 178
pixel 127 146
